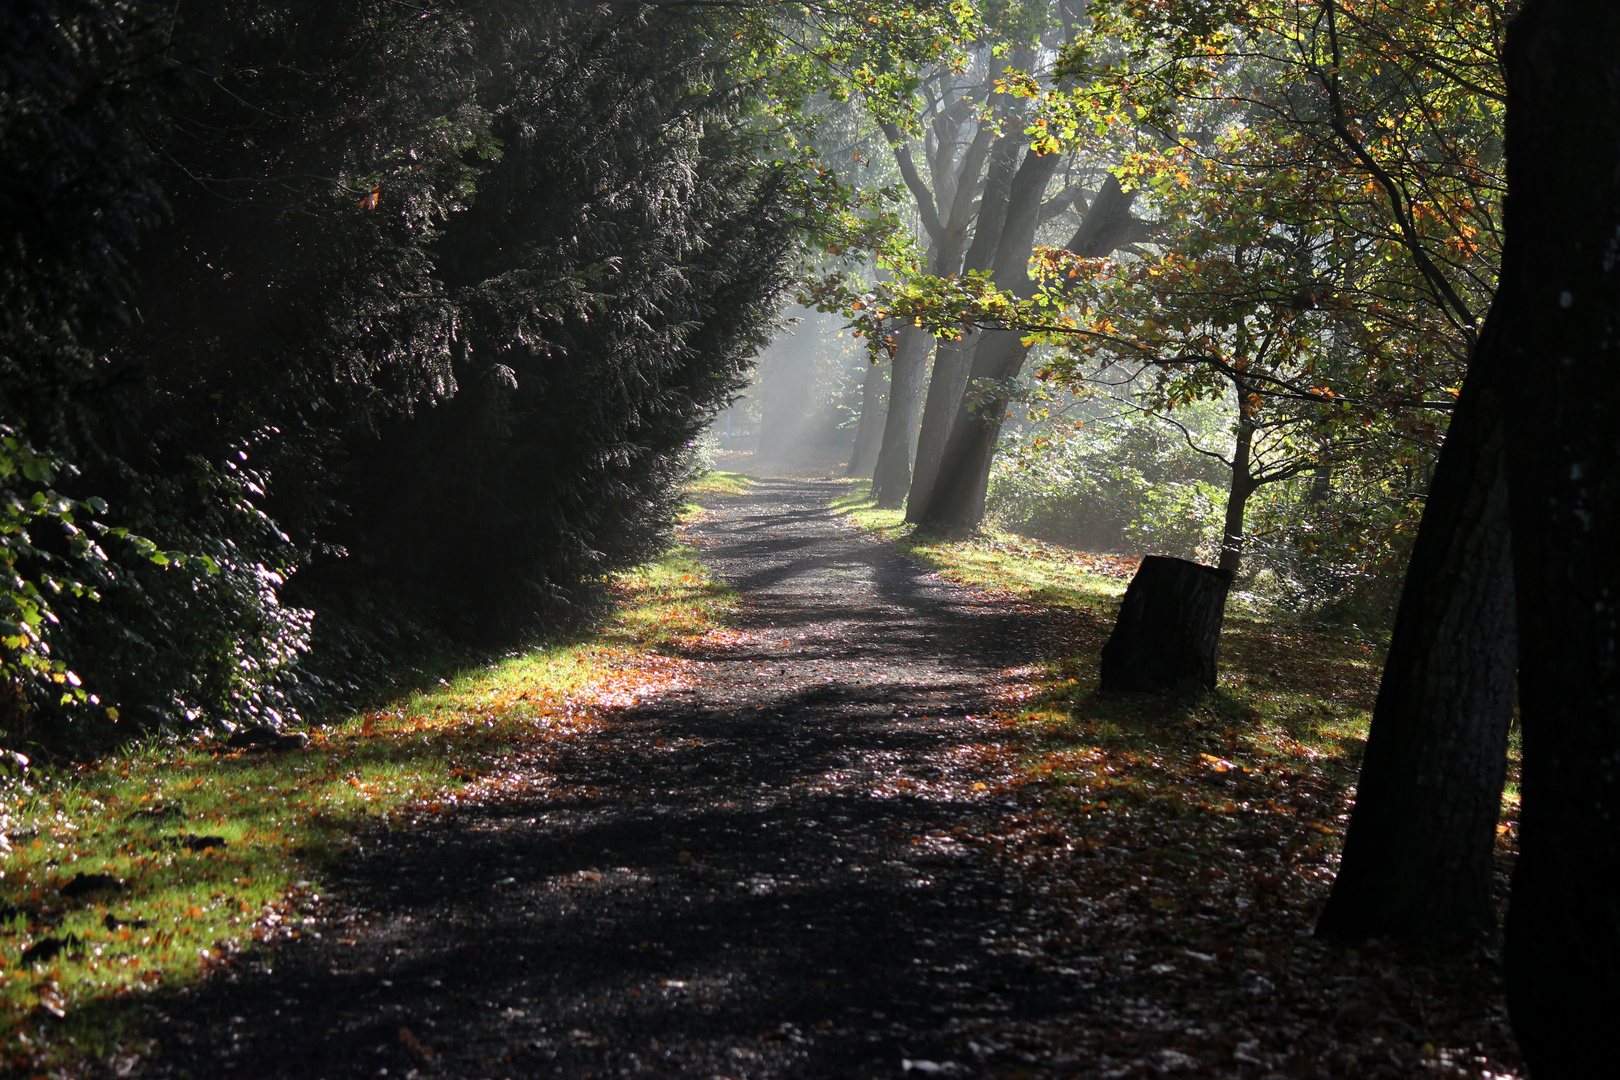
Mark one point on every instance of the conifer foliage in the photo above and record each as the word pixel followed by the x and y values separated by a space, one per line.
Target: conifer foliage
pixel 336 331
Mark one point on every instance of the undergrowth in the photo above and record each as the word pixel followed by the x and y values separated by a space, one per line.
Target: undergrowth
pixel 149 868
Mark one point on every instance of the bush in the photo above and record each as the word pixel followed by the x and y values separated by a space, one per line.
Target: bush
pixel 1126 485
pixel 384 330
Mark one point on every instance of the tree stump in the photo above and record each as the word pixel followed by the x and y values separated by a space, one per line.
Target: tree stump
pixel 1168 628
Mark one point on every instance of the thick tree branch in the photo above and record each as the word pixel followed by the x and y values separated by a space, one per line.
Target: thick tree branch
pixel 919 190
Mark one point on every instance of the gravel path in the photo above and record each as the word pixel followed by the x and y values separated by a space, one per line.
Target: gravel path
pixel 762 876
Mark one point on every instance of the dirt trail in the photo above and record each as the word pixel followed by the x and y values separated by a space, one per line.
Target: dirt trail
pixel 762 876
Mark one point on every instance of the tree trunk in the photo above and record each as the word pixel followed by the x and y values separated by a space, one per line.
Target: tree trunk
pixel 962 483
pixel 1168 629
pixel 952 362
pixel 1418 858
pixel 1561 278
pixel 957 498
pixel 907 374
pixel 956 502
pixel 1237 495
pixel 946 214
pixel 869 432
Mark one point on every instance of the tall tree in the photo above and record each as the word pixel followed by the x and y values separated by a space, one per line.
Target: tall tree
pixel 425 309
pixel 1561 297
pixel 1345 103
pixel 1419 854
pixel 1368 161
pixel 953 358
pixel 968 128
pixel 957 498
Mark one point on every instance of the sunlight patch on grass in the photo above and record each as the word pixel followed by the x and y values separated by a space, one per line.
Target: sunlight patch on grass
pixel 207 850
pixel 715 482
pixel 994 560
pixel 857 504
pixel 711 485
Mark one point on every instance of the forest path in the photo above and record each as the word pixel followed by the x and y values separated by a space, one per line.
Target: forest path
pixel 760 876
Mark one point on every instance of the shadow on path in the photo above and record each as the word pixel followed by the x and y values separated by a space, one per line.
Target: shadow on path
pixel 763 876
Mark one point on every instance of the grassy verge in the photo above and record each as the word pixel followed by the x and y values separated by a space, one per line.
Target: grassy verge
pixel 1291 712
pixel 148 869
pixel 1290 695
pixel 715 484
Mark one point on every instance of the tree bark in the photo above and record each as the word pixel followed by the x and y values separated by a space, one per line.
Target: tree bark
pixel 1418 858
pixel 869 431
pixel 952 361
pixel 1169 627
pixel 1561 277
pixel 892 477
pixel 908 371
pixel 1237 493
pixel 956 502
pixel 947 384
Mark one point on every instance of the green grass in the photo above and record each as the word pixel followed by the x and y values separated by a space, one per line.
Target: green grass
pixel 283 818
pixel 1286 691
pixel 714 483
pixel 993 559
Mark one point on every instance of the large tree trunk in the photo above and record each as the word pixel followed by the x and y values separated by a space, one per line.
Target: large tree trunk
pixel 869 431
pixel 946 213
pixel 962 483
pixel 1561 278
pixel 1168 629
pixel 958 497
pixel 1419 855
pixel 952 361
pixel 907 373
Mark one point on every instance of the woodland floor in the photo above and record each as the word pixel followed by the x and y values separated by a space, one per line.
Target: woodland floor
pixel 826 858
